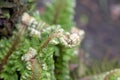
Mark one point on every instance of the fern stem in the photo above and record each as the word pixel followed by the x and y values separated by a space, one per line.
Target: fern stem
pixel 47 41
pixel 11 50
pixel 57 12
pixel 14 46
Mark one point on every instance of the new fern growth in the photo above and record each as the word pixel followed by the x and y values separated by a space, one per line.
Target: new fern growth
pixel 62 12
pixel 41 51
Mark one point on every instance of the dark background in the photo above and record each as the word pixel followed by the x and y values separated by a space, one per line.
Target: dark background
pixel 101 22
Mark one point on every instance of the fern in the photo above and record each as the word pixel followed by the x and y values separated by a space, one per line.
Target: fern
pixel 52 46
pixel 60 12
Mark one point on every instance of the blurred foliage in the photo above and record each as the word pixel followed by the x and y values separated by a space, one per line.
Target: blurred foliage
pixel 60 12
pixel 99 67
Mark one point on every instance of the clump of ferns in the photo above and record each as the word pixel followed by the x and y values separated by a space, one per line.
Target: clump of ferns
pixel 57 35
pixel 44 36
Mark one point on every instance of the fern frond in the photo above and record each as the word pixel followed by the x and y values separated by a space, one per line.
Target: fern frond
pixel 60 12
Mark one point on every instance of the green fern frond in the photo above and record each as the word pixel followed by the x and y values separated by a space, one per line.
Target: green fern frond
pixel 60 12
